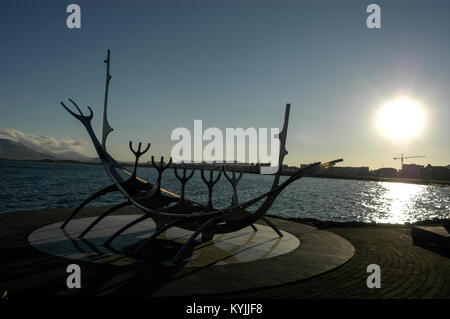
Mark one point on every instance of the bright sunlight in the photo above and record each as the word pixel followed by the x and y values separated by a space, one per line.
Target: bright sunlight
pixel 401 119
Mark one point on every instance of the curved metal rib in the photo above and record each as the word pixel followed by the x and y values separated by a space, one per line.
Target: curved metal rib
pixel 161 167
pixel 157 233
pixel 137 155
pixel 191 239
pixel 121 230
pixel 234 182
pixel 210 184
pixel 106 190
pixel 275 228
pixel 183 180
pixel 106 213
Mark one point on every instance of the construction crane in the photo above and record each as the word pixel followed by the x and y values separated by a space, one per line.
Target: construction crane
pixel 402 158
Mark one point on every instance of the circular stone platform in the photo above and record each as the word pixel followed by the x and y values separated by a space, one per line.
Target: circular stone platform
pixel 241 246
pixel 231 262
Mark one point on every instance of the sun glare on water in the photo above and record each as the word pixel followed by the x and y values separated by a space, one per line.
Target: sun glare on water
pixel 401 119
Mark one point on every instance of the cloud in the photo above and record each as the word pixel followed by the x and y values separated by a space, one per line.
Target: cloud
pixel 44 143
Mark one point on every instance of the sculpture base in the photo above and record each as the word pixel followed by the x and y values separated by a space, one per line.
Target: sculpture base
pixel 231 262
pixel 242 246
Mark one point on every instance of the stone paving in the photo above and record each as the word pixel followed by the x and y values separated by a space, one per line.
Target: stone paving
pixel 407 271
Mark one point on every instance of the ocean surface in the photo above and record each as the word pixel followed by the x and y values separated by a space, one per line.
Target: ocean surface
pixel 29 186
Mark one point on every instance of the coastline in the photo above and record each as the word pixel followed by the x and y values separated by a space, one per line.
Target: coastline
pixel 322 224
pixel 441 183
pixel 355 224
pixel 390 180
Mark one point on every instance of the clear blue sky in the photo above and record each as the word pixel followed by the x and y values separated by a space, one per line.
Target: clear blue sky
pixel 231 63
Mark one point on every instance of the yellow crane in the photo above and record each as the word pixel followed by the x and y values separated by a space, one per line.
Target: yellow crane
pixel 402 158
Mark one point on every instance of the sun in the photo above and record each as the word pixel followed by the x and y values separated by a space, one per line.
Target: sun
pixel 401 119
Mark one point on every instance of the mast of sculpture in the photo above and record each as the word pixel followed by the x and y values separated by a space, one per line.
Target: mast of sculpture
pixel 106 128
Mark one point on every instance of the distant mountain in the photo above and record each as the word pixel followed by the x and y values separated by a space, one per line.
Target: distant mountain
pixel 10 149
pixel 73 156
pixel 14 150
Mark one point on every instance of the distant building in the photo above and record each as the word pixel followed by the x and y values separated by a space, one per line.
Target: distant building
pixel 411 171
pixel 346 171
pixel 292 169
pixel 436 173
pixel 341 171
pixel 385 172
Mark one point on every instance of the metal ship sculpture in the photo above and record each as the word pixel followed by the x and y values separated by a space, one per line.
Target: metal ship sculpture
pixel 168 209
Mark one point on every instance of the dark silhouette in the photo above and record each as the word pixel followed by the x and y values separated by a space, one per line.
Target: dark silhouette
pixel 168 209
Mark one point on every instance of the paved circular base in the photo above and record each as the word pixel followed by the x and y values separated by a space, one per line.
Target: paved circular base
pixel 234 262
pixel 245 245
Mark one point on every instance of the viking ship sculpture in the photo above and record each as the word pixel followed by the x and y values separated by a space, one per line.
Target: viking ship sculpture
pixel 168 209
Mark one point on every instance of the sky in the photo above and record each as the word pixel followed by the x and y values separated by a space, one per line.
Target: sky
pixel 233 64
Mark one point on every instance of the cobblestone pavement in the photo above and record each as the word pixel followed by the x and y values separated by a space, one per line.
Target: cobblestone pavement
pixel 407 271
